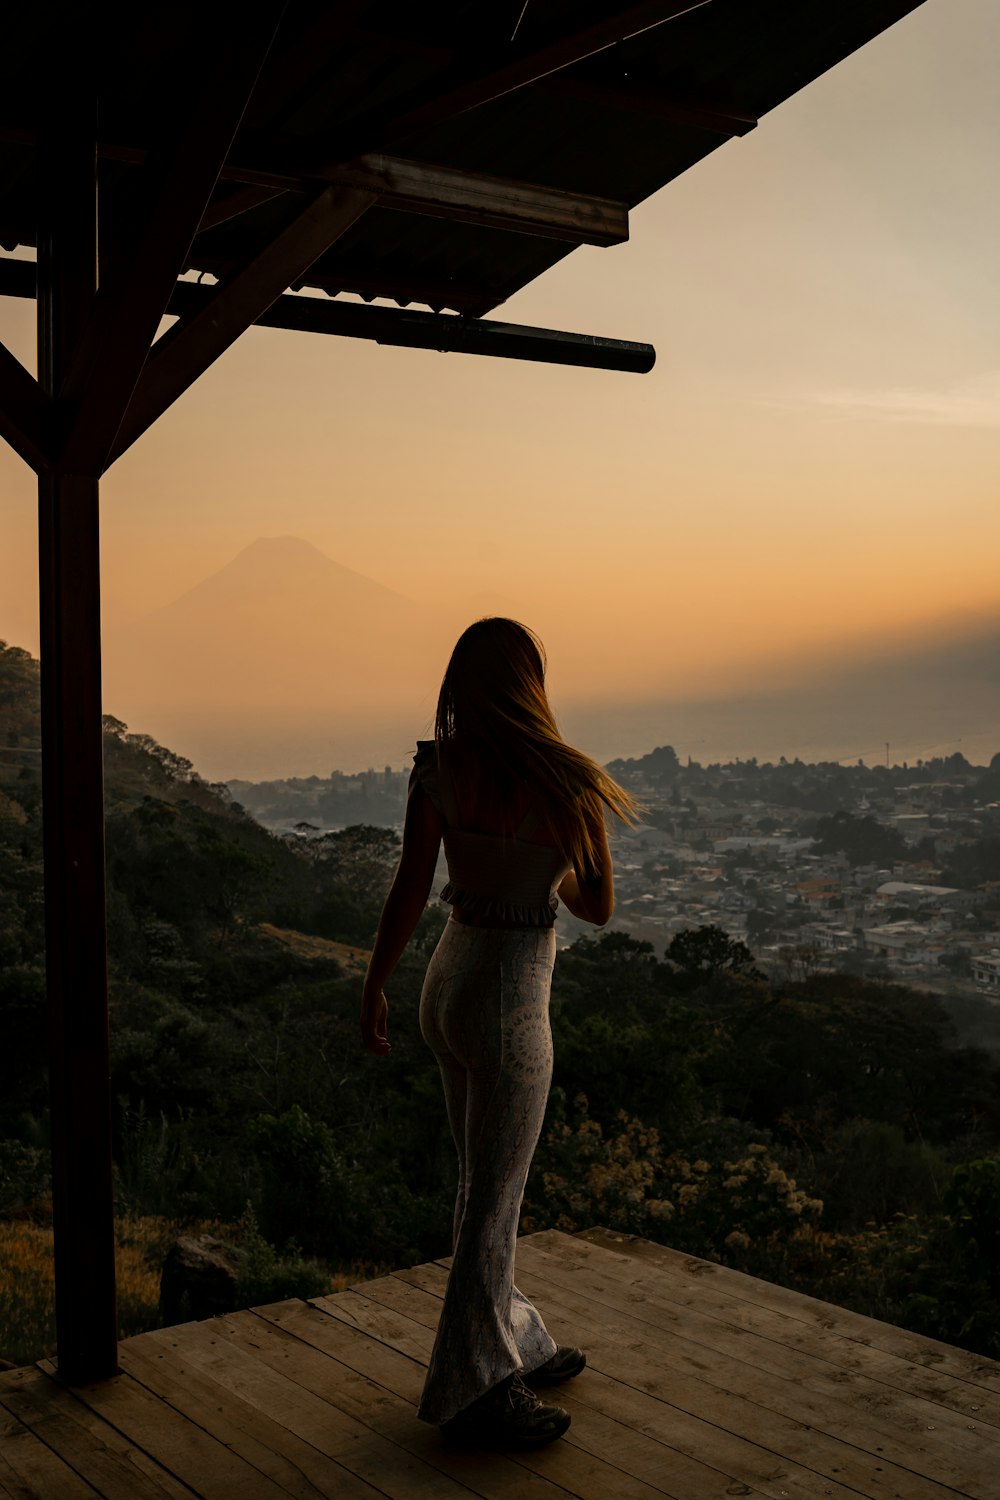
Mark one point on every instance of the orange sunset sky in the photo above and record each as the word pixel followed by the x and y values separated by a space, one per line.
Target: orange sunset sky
pixel 811 469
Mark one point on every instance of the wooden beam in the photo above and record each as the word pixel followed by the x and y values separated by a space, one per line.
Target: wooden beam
pixel 472 81
pixel 240 200
pixel 72 749
pixel 294 73
pixel 187 350
pixel 22 411
pixel 150 246
pixel 498 202
pixel 438 192
pixel 419 330
pixel 423 188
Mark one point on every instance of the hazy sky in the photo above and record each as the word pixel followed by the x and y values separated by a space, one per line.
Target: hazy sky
pixel 813 462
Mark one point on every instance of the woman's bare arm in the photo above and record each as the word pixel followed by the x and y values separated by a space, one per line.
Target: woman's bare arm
pixel 403 907
pixel 592 899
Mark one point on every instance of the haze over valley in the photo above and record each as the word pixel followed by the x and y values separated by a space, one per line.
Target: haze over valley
pixel 286 663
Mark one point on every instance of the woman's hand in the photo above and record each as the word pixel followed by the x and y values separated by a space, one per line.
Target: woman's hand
pixel 590 895
pixel 374 1020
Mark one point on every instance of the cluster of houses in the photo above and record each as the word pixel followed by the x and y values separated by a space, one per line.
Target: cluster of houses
pixel 734 846
pixel 751 868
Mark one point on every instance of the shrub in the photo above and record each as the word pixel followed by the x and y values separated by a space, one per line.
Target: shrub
pixel 735 1204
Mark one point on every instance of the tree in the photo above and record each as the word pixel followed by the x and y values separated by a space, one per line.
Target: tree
pixel 864 840
pixel 761 925
pixel 613 975
pixel 705 953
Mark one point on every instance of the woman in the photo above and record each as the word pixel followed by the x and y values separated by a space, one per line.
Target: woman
pixel 521 815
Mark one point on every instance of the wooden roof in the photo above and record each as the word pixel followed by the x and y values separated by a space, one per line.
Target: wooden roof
pixel 440 157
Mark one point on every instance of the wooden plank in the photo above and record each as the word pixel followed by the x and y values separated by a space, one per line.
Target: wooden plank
pixel 666 1401
pixel 809 1373
pixel 681 1477
pixel 195 1456
pixel 150 240
pixel 188 349
pixel 302 1421
pixel 378 1322
pixel 258 1436
pixel 751 1401
pixel 710 1299
pixel 31 1471
pixel 396 1292
pixel 115 1467
pixel 932 1353
pixel 378 1386
pixel 743 1462
pixel 585 1467
pixel 653 1369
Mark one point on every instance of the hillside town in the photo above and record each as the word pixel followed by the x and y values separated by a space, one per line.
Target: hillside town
pixel 882 871
pixel 889 872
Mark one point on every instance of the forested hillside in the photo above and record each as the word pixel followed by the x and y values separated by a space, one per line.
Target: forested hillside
pixel 825 1132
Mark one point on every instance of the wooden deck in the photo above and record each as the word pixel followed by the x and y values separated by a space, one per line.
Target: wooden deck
pixel 702 1383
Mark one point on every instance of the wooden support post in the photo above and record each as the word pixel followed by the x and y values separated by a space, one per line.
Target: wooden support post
pixel 72 769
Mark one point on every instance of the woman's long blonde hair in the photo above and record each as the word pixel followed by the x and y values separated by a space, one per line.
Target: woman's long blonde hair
pixel 495 732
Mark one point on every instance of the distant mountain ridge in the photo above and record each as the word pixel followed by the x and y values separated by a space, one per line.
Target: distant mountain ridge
pixel 281 651
pixel 283 662
pixel 933 699
pixel 268 568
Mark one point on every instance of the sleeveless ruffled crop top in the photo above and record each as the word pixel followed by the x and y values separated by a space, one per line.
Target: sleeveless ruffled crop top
pixel 491 877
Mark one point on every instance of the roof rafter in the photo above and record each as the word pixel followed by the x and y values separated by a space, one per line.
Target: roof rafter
pixel 244 197
pixel 150 248
pixel 187 350
pixel 467 83
pixel 414 187
pixel 476 198
pixel 22 411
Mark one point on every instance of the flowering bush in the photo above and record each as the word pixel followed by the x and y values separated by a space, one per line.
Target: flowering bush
pixel 739 1207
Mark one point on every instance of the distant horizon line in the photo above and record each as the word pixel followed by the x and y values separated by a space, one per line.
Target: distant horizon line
pixel 684 763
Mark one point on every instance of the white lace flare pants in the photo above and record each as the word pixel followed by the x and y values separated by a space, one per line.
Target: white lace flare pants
pixel 484 1012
